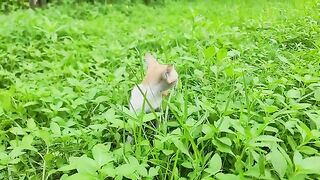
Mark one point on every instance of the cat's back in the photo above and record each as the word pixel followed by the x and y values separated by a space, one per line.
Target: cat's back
pixel 141 92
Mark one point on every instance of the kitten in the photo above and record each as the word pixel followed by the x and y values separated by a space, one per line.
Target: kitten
pixel 159 78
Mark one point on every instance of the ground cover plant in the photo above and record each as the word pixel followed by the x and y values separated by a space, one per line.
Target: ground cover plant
pixel 246 106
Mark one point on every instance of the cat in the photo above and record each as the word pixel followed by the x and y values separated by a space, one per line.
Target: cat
pixel 159 78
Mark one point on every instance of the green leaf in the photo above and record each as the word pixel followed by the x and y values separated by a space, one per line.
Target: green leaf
pixel 271 108
pixel 16 152
pixel 293 93
pixel 5 100
pixel 55 128
pixel 82 176
pixel 215 165
pixel 66 168
pixel 125 170
pixel 30 103
pixel 17 130
pixel 142 171
pixel 214 69
pixel 101 154
pixel 153 171
pixel 222 147
pixel 297 157
pixel 187 164
pixel 167 152
pixel 268 138
pixel 317 95
pixel 31 124
pixel 309 165
pixel 283 59
pixel 108 170
pixel 300 105
pixel 150 117
pixel 222 53
pixel 225 140
pixel 278 162
pixel 84 164
pixel 45 136
pixel 181 147
pixel 307 150
pixel 229 71
pixel 26 142
pixel 261 164
pixel 222 176
pixel 315 118
pixel 101 99
pixel 209 52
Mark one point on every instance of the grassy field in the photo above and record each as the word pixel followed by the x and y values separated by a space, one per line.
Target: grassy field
pixel 247 105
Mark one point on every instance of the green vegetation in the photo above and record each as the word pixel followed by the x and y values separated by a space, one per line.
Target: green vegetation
pixel 246 106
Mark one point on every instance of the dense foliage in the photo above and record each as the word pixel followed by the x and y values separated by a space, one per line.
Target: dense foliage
pixel 246 106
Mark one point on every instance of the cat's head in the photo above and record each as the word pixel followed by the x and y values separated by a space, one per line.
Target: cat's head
pixel 164 75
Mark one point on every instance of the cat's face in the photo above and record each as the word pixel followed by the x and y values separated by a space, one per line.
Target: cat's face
pixel 159 74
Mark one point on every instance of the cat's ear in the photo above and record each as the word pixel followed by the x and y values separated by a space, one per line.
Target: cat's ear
pixel 171 74
pixel 150 60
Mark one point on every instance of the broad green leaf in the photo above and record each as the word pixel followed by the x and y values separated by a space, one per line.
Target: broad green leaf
pixel 5 100
pixel 222 147
pixel 183 148
pixel 55 128
pixel 45 136
pixel 142 171
pixel 30 103
pixel 167 152
pixel 108 170
pixel 26 142
pixel 297 158
pixel 150 117
pixel 317 95
pixel 214 69
pixel 67 168
pixel 153 171
pixel 282 58
pixel 271 108
pixel 31 124
pixel 293 93
pixel 278 162
pixel 215 165
pixel 101 154
pixel 84 164
pixel 16 152
pixel 125 170
pixel 101 99
pixel 229 71
pixel 82 176
pixel 300 105
pixel 133 161
pixel 222 53
pixel 291 142
pixel 225 141
pixel 209 52
pixel 315 118
pixel 222 176
pixel 187 164
pixel 261 164
pixel 308 150
pixel 309 165
pixel 17 130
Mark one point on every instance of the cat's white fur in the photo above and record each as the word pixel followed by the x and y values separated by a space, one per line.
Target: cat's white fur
pixel 151 93
pixel 158 79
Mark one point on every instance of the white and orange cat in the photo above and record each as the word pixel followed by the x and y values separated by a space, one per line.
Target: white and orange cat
pixel 159 78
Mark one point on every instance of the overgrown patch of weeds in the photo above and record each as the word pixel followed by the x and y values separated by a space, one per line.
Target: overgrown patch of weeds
pixel 246 106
